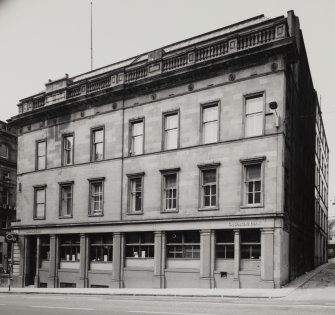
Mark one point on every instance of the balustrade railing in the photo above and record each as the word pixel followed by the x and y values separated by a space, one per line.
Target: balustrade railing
pixel 98 84
pixel 175 62
pixel 136 74
pixel 74 91
pixel 257 38
pixel 212 51
pixel 38 102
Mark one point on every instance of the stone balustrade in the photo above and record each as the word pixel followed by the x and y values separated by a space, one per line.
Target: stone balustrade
pixel 193 54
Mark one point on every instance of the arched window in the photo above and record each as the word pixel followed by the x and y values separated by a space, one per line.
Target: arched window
pixel 4 151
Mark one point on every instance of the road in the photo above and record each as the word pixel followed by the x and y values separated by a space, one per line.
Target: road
pixel 36 304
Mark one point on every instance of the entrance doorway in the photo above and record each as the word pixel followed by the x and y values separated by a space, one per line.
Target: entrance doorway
pixel 30 260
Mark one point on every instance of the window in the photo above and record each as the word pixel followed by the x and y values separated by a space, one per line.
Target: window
pixel 70 248
pixel 39 202
pixel 170 189
pixel 135 193
pixel 6 176
pixel 96 197
pixel 4 152
pixel 208 186
pixel 210 123
pixel 171 131
pixel 250 244
pixel 97 144
pixel 67 150
pixel 254 115
pixel 41 155
pixel 253 178
pixel 140 245
pixel 66 199
pixel 224 244
pixel 45 247
pixel 101 247
pixel 137 140
pixel 183 245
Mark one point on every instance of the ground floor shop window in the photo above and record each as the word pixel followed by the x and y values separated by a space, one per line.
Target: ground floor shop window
pixel 45 248
pixel 101 247
pixel 224 247
pixel 70 248
pixel 250 244
pixel 185 244
pixel 140 245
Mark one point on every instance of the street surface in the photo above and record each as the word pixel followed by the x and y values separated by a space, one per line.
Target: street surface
pixel 317 296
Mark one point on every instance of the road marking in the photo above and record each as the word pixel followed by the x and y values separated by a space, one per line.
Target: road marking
pixel 64 308
pixel 3 304
pixel 171 313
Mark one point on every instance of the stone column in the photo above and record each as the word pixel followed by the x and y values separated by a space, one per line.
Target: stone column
pixel 237 256
pixel 117 260
pixel 206 275
pixel 18 261
pixel 159 267
pixel 53 262
pixel 267 257
pixel 83 261
pixel 38 259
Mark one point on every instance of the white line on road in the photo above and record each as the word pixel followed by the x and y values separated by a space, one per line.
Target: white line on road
pixel 171 313
pixel 64 308
pixel 3 304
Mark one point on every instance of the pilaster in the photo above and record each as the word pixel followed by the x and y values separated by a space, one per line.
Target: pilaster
pixel 206 272
pixel 237 255
pixel 267 259
pixel 159 263
pixel 53 263
pixel 117 259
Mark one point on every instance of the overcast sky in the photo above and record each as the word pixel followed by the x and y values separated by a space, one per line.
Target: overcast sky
pixel 44 39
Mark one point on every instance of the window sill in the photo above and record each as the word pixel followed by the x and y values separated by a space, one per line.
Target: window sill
pixel 96 215
pixel 135 213
pixel 39 218
pixel 208 208
pixel 65 217
pixel 101 261
pixel 170 211
pixel 259 205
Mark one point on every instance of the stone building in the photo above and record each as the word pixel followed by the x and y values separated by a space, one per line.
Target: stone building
pixel 8 148
pixel 188 166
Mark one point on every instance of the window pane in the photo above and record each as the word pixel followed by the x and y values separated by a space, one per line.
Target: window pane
pixel 209 176
pixel 41 163
pixel 210 113
pixel 41 148
pixel 4 151
pixel 98 136
pixel 40 210
pixel 40 196
pixel 253 172
pixel 254 105
pixel 225 236
pixel 137 145
pixel 171 139
pixel 210 131
pixel 254 125
pixel 137 128
pixel 171 122
pixel 170 180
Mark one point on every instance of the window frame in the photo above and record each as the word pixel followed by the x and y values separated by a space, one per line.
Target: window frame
pixel 251 245
pixel 64 136
pixel 93 130
pixel 91 182
pixel 132 177
pixel 202 169
pixel 164 173
pixel 249 162
pixel 183 246
pixel 39 188
pixel 103 237
pixel 203 106
pixel 224 244
pixel 140 244
pixel 72 245
pixel 164 116
pixel 130 139
pixel 6 146
pixel 262 95
pixel 37 156
pixel 61 185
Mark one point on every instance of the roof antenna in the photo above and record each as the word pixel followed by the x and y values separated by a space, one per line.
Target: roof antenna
pixel 91 36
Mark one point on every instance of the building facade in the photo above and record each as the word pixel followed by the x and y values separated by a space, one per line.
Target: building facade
pixel 188 166
pixel 321 191
pixel 8 156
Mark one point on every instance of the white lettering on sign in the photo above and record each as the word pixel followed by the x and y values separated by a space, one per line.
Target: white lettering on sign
pixel 245 223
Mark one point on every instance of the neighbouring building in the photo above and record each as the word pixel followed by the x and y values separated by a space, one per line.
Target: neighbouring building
pixel 8 153
pixel 321 190
pixel 188 166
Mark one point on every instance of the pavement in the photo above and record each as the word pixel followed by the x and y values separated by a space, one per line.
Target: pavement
pixel 283 292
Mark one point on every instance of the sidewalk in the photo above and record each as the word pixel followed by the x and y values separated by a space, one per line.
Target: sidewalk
pixel 188 292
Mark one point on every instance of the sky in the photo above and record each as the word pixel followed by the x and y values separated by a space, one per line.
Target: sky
pixel 44 39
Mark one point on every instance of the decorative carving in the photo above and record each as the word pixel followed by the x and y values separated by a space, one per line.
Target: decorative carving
pixel 232 77
pixel 190 87
pixel 153 96
pixel 114 105
pixel 274 66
